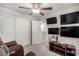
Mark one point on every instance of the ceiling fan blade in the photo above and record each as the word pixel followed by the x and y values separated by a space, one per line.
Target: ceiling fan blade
pixel 41 13
pixel 24 7
pixel 48 8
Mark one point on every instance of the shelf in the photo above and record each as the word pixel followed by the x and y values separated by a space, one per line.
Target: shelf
pixel 51 46
pixel 60 48
pixel 70 54
pixel 60 52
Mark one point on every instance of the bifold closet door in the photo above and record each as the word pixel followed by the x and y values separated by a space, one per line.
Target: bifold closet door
pixel 0 26
pixel 8 28
pixel 36 32
pixel 22 31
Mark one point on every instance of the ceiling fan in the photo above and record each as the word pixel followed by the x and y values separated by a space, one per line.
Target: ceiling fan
pixel 36 9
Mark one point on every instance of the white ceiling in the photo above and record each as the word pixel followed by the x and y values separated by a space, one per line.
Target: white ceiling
pixel 55 6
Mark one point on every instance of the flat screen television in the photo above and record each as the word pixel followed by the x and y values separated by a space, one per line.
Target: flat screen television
pixel 51 20
pixel 53 31
pixel 70 18
pixel 70 31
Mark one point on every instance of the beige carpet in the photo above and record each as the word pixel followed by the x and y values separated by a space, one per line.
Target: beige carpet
pixel 41 49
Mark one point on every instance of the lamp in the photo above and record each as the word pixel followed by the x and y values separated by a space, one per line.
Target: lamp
pixel 36 11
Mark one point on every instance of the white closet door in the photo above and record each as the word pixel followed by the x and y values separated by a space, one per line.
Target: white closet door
pixel 8 28
pixel 36 32
pixel 22 31
pixel 0 26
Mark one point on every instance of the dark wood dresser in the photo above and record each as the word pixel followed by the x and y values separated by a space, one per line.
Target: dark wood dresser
pixel 62 49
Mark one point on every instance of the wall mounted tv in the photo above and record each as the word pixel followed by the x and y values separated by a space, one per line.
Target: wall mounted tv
pixel 70 18
pixel 53 31
pixel 51 20
pixel 70 31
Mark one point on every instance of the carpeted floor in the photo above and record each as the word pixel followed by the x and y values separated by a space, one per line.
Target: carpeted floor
pixel 41 49
pixel 30 54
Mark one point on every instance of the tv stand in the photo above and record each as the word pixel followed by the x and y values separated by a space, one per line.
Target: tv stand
pixel 62 49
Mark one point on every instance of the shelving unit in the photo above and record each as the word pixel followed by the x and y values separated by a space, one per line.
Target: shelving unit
pixel 61 49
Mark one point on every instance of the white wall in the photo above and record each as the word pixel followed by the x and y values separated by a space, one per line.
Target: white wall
pixel 69 40
pixel 15 26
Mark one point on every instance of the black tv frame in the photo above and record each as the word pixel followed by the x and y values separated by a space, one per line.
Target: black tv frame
pixel 52 20
pixel 74 17
pixel 55 31
pixel 74 33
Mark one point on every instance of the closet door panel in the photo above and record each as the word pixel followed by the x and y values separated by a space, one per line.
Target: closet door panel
pixel 22 31
pixel 8 28
pixel 0 26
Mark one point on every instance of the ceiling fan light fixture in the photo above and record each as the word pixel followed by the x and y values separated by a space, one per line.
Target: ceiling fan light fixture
pixel 36 11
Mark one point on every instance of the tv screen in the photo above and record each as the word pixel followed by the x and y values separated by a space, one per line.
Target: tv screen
pixel 70 31
pixel 70 18
pixel 52 20
pixel 53 30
